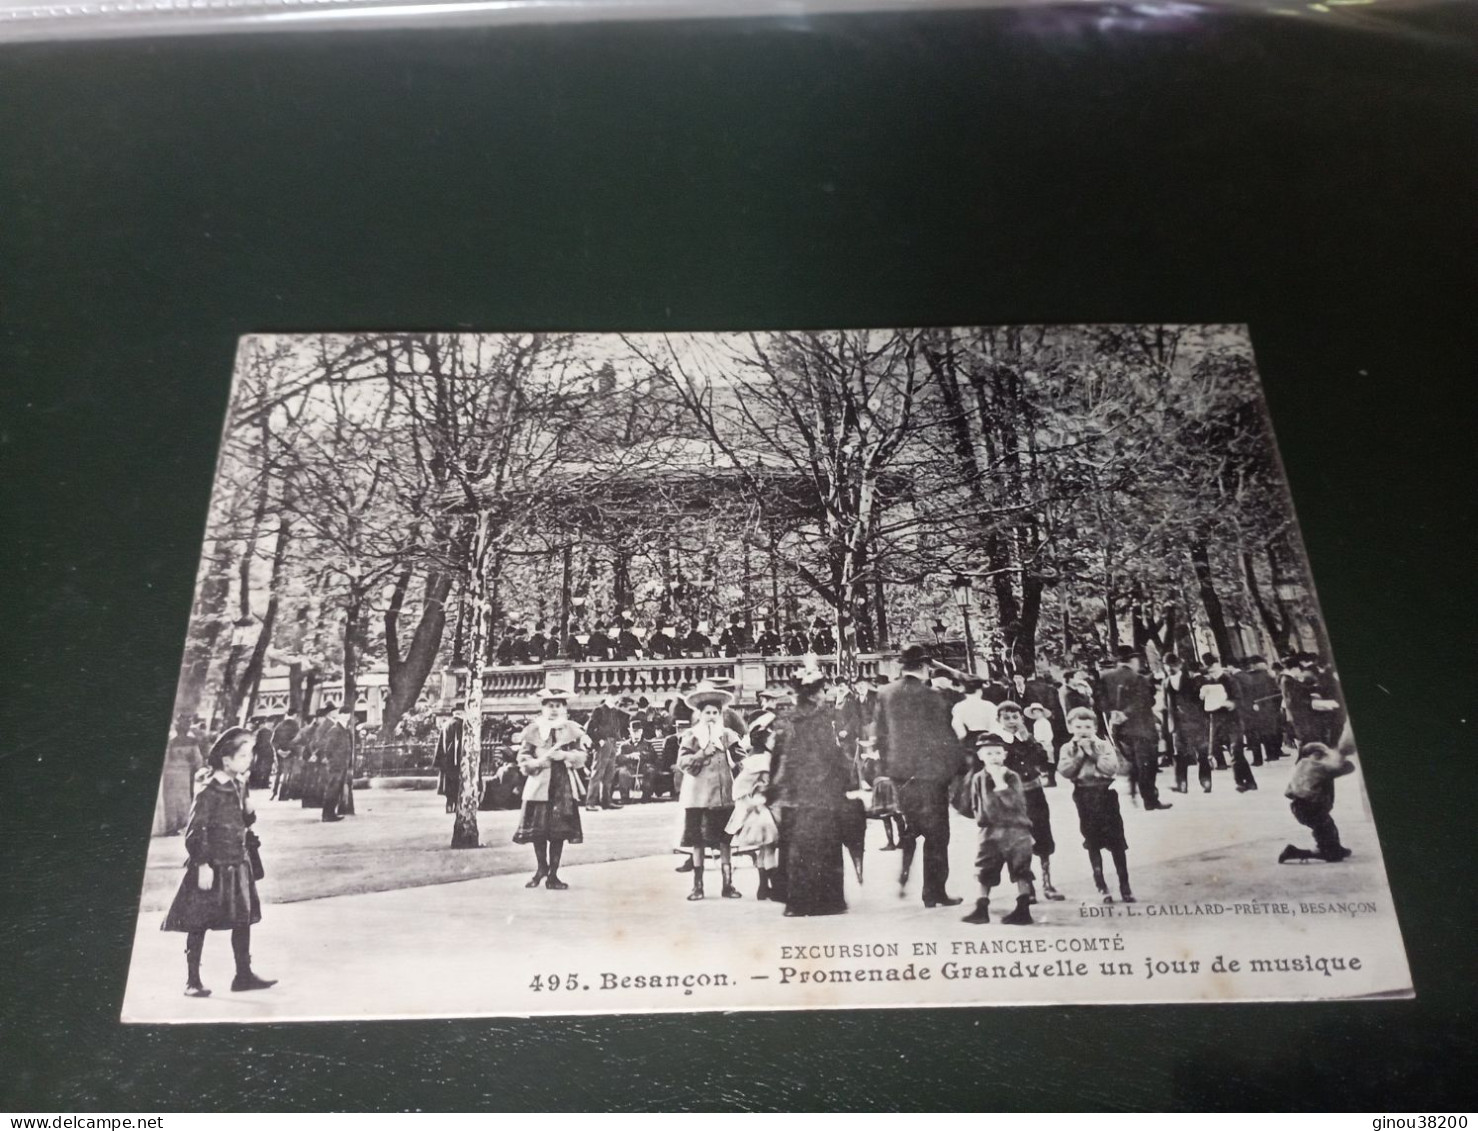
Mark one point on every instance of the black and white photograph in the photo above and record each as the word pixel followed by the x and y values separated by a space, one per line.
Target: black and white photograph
pixel 577 673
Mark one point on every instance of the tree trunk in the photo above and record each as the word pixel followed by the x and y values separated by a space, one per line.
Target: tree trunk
pixel 621 581
pixel 879 613
pixel 258 662
pixel 351 649
pixel 408 674
pixel 566 593
pixel 459 638
pixel 1215 615
pixel 1008 608
pixel 209 614
pixel 1277 626
pixel 295 704
pixel 464 828
pixel 1024 644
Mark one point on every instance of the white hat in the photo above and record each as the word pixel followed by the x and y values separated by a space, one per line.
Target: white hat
pixel 706 693
pixel 549 693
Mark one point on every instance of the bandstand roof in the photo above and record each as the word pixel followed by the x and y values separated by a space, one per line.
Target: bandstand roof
pixel 691 475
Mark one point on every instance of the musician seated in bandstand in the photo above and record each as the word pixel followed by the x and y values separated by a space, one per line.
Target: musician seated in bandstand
pixel 696 644
pixel 599 647
pixel 770 642
pixel 663 643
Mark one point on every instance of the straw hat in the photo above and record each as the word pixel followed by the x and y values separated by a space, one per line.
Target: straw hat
pixel 706 693
pixel 548 694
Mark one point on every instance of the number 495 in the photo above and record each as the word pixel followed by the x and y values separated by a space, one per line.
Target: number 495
pixel 543 982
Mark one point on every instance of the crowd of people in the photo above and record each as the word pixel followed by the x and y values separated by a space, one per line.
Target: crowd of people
pixel 793 783
pixel 624 639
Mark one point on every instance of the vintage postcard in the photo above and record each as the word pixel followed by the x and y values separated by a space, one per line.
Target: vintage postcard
pixel 609 673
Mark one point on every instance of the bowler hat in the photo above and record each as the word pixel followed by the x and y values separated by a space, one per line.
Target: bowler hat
pixel 913 654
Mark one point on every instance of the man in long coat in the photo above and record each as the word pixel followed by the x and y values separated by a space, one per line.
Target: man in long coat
pixel 448 761
pixel 922 757
pixel 310 762
pixel 1042 689
pixel 1225 730
pixel 262 755
pixel 1185 720
pixel 606 728
pixel 1260 705
pixel 336 749
pixel 1129 698
pixel 286 739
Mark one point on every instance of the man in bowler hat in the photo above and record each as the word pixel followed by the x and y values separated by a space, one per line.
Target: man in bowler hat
pixel 1130 701
pixel 921 756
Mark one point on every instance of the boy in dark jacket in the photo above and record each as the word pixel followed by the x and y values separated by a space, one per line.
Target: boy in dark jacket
pixel 1028 760
pixel 1311 797
pixel 998 803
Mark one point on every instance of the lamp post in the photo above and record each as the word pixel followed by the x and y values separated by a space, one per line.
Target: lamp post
pixel 960 589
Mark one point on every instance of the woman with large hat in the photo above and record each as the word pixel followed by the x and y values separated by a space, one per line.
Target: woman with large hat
pixel 810 786
pixel 551 749
pixel 705 756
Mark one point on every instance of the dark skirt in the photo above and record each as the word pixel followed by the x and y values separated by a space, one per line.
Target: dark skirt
pixel 555 819
pixel 1099 819
pixel 1036 809
pixel 854 826
pixel 811 855
pixel 705 828
pixel 231 901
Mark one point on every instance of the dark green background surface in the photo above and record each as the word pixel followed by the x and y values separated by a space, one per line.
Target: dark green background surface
pixel 157 199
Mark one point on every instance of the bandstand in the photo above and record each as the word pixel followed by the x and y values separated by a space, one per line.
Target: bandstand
pixel 645 496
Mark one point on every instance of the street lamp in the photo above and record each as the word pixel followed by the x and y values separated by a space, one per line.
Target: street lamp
pixel 938 629
pixel 960 589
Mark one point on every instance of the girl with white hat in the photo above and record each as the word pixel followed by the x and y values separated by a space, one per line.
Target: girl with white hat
pixel 705 756
pixel 551 749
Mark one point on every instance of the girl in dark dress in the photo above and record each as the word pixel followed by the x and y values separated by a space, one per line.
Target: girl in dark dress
pixel 219 892
pixel 810 783
pixel 551 749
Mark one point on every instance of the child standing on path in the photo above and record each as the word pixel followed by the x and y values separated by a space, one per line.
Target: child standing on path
pixel 998 803
pixel 753 826
pixel 707 793
pixel 219 890
pixel 1091 764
